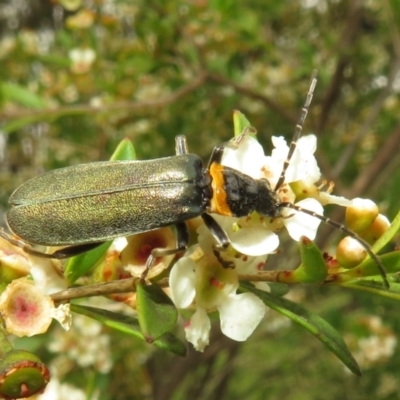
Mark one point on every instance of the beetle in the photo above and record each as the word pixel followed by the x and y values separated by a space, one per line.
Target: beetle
pixel 85 205
pixel 82 206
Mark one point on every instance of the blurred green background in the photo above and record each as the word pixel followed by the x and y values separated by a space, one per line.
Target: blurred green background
pixel 76 77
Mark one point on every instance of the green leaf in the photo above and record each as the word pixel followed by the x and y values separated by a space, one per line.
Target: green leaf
pixel 312 322
pixel 375 286
pixel 156 312
pixel 240 122
pixel 130 326
pixel 81 264
pixel 388 235
pixel 124 151
pixel 21 95
pixel 278 289
pixel 313 268
pixel 19 123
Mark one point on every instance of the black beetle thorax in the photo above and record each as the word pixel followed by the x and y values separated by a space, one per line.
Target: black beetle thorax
pixel 245 195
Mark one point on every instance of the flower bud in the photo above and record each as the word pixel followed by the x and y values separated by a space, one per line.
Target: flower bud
pixel 380 225
pixel 361 214
pixel 350 253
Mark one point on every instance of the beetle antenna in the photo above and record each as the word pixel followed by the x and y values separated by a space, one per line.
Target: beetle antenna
pixel 298 129
pixel 326 220
pixel 349 232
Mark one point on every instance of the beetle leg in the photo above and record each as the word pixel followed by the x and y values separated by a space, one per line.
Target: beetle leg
pixel 222 261
pixel 216 155
pixel 181 146
pixel 221 237
pixel 182 241
pixel 238 140
pixel 71 251
pixel 65 252
pixel 219 234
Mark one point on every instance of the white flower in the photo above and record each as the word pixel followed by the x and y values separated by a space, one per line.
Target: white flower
pixel 303 165
pixel 256 236
pixel 201 283
pixel 211 287
pixel 81 60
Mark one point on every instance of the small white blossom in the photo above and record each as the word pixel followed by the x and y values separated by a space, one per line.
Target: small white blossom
pixel 210 287
pixel 85 344
pixel 81 60
pixel 249 158
pixel 303 165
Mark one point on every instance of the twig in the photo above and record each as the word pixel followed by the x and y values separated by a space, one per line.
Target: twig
pixel 101 289
pixel 87 109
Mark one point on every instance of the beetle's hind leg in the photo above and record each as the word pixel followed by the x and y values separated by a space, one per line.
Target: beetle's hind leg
pixel 59 254
pixel 221 237
pixel 182 242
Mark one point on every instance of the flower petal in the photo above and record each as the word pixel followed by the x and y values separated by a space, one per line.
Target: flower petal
pixel 327 198
pixel 254 241
pixel 240 314
pixel 250 265
pixel 63 315
pixel 300 224
pixel 303 165
pixel 198 329
pixel 47 276
pixel 182 281
pixel 248 158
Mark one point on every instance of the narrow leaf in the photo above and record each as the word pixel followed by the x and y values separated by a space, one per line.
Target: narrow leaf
pixel 21 95
pixel 388 235
pixel 130 326
pixel 312 322
pixel 81 264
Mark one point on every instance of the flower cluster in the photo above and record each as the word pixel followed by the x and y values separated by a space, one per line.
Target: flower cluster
pixel 200 282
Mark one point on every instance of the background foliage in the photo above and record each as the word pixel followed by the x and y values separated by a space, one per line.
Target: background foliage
pixel 182 67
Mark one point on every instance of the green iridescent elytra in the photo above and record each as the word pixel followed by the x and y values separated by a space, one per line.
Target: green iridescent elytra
pixel 96 202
